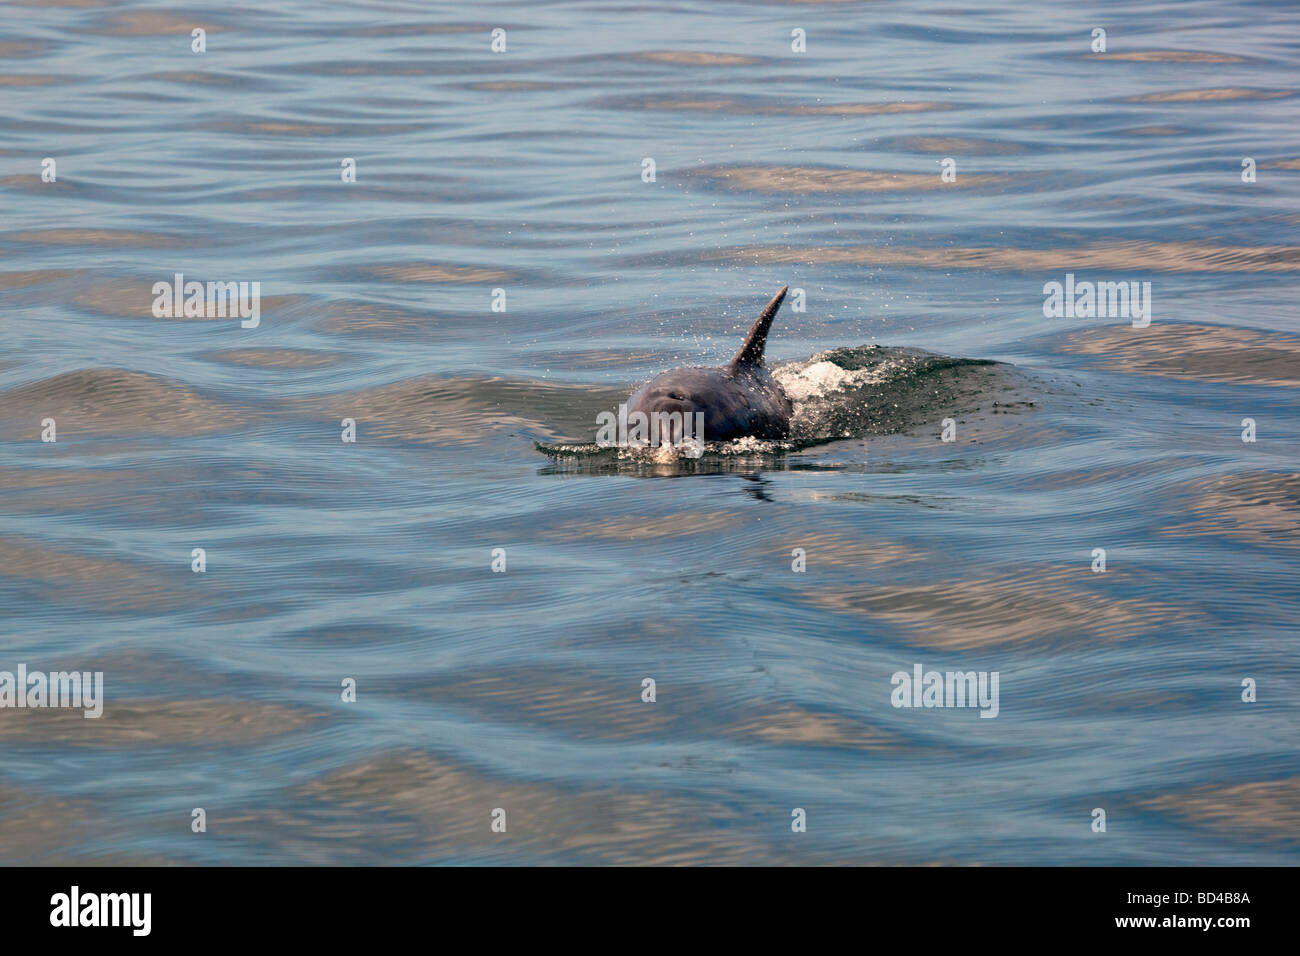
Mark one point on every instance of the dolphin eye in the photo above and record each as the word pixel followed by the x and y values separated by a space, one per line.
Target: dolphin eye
pixel 677 396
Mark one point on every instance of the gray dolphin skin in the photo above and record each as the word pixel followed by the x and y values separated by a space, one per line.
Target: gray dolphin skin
pixel 738 399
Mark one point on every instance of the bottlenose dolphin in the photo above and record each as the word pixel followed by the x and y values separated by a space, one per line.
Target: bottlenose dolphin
pixel 738 399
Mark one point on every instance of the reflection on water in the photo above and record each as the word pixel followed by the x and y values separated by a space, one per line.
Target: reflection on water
pixel 1208 353
pixel 503 269
pixel 794 179
pixel 1124 257
pixel 1264 811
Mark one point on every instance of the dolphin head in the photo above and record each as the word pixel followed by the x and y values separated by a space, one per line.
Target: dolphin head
pixel 689 396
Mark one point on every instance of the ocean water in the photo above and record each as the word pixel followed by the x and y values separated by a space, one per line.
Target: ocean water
pixel 503 268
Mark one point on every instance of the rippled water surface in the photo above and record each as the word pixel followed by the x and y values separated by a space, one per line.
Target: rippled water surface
pixel 522 171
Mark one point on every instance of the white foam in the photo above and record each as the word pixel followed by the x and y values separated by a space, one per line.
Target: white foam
pixel 818 379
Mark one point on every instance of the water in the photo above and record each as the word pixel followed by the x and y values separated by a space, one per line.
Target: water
pixel 521 690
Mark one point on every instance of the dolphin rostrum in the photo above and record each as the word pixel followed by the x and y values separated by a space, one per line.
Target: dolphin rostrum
pixel 738 399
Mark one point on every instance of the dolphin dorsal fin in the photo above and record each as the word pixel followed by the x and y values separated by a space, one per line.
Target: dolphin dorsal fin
pixel 751 353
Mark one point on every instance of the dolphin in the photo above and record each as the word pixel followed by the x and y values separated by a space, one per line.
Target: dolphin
pixel 738 399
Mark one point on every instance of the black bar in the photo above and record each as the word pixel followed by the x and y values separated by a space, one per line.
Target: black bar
pixel 957 906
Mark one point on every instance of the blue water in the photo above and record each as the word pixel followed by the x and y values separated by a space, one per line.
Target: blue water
pixel 521 690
